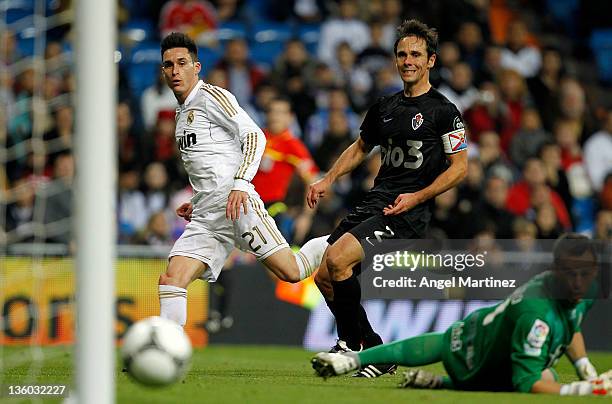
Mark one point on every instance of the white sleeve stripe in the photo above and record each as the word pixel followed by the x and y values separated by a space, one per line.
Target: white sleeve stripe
pixel 222 100
pixel 249 155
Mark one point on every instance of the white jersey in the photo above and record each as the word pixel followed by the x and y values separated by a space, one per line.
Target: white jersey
pixel 220 145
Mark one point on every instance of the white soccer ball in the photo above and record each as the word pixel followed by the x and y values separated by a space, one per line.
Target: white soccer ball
pixel 156 351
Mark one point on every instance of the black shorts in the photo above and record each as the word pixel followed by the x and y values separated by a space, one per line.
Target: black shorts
pixel 367 218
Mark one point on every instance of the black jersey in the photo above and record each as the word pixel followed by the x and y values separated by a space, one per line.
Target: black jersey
pixel 415 134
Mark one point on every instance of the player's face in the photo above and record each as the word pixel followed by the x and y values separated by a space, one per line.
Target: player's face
pixel 180 71
pixel 575 275
pixel 412 62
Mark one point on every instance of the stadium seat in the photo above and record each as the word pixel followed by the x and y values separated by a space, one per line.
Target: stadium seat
pixel 564 11
pixel 601 46
pixel 231 30
pixel 7 5
pixel 139 30
pixel 208 57
pixel 141 76
pixel 265 53
pixel 310 34
pixel 16 14
pixel 268 41
pixel 144 67
pixel 146 52
pixel 267 31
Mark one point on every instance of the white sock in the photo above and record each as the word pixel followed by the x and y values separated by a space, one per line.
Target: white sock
pixel 310 255
pixel 173 303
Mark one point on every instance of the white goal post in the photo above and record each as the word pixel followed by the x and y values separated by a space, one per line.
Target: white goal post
pixel 95 34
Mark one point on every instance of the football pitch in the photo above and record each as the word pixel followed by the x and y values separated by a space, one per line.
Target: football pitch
pixel 262 374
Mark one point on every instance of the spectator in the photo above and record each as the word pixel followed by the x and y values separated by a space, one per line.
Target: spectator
pixel 20 212
pixel 283 157
pixel 518 55
pixel 192 17
pixel 131 209
pixel 9 53
pixel 293 76
pixel 446 219
pixel 567 136
pixel 556 178
pixel 527 141
pixel 470 190
pixel 335 140
pixel 603 225
pixel 573 107
pixel 58 202
pixel 154 99
pixel 242 74
pixel 294 63
pixel 355 80
pixel 230 10
pixel 598 153
pixel 492 158
pixel 513 94
pixel 217 77
pixel 471 45
pixel 544 87
pixel 491 65
pixel 156 188
pixel 376 55
pixel 319 121
pixel 391 17
pixel 448 57
pixel 163 146
pixel 129 144
pixel 59 139
pixel 460 90
pixel 489 113
pixel 605 197
pixel 520 196
pixel 345 28
pixel 157 232
pixel 547 223
pixel 387 82
pixel 492 212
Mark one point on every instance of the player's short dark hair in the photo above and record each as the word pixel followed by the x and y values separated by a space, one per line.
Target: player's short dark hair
pixel 572 245
pixel 179 40
pixel 420 30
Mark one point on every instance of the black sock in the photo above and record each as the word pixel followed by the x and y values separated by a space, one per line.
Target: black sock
pixel 368 336
pixel 347 298
pixel 332 307
pixel 224 293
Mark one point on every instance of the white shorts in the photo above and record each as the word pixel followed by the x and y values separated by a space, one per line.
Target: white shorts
pixel 210 237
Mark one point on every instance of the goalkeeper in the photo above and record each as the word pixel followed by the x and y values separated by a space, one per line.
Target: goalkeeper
pixel 512 346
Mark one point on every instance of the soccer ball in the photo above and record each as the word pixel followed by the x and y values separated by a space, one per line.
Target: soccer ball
pixel 156 351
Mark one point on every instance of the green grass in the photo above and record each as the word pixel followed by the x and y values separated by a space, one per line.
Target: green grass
pixel 262 374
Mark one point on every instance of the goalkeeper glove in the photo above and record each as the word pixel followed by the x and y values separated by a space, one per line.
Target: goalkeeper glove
pixel 600 386
pixel 585 369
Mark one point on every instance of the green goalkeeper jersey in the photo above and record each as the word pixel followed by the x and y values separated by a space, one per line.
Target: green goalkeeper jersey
pixel 506 347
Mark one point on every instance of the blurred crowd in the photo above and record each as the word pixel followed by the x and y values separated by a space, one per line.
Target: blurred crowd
pixel 537 108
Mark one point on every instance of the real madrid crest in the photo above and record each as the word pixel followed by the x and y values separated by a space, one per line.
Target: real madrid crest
pixel 190 117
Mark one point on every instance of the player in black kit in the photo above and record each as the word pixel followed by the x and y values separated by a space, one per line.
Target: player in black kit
pixel 422 142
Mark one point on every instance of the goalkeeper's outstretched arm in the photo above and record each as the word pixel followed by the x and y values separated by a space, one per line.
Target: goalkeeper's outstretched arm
pixel 576 353
pixel 600 386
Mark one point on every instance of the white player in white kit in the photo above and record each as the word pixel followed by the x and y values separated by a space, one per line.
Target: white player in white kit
pixel 221 147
